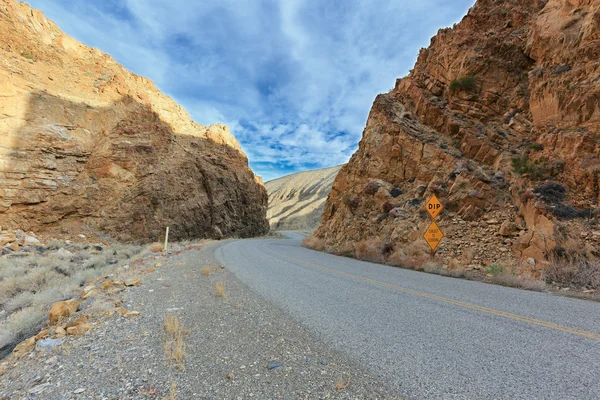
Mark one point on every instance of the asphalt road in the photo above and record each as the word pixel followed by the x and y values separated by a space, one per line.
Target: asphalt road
pixel 427 336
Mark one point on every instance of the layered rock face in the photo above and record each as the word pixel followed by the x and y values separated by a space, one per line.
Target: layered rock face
pixel 500 118
pixel 85 142
pixel 296 201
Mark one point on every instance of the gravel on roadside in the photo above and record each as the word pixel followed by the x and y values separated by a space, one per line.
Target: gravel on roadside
pixel 236 347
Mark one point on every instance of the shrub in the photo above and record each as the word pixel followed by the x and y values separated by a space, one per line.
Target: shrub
pixel 27 56
pixel 465 83
pixel 495 269
pixel 351 202
pixel 156 247
pixel 551 191
pixel 573 270
pixel 537 170
pixel 537 147
pixel 369 250
pixel 314 243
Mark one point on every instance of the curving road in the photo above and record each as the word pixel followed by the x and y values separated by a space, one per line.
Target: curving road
pixel 427 336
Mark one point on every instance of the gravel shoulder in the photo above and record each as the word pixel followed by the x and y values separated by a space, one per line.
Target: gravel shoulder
pixel 236 347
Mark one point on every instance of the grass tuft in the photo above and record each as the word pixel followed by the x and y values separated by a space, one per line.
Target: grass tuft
pixel 220 290
pixel 156 247
pixel 206 271
pixel 174 345
pixel 340 386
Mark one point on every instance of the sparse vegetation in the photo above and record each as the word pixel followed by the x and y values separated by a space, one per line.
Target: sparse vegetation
pixel 174 343
pixel 29 285
pixel 573 270
pixel 351 202
pixel 369 250
pixel 342 385
pixel 537 147
pixel 314 243
pixel 156 247
pixel 220 290
pixel 27 56
pixel 537 170
pixel 465 83
pixel 206 271
pixel 495 269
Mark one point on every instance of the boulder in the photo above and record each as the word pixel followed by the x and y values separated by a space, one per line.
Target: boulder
pixel 134 281
pixel 62 310
pixel 79 329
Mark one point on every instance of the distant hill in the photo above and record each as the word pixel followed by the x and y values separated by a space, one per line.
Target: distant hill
pixel 296 201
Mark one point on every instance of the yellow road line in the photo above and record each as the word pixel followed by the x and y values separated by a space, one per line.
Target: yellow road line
pixel 532 321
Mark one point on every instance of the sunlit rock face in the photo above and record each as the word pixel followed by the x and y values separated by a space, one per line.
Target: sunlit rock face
pixel 500 118
pixel 85 142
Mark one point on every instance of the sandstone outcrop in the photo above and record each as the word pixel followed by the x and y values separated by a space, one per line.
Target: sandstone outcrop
pixel 84 142
pixel 500 118
pixel 296 201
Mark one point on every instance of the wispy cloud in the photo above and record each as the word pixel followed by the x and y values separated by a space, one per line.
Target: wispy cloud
pixel 293 79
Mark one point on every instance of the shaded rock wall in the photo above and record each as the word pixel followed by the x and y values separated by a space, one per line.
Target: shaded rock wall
pixel 85 142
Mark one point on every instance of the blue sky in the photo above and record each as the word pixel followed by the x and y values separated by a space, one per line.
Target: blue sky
pixel 293 79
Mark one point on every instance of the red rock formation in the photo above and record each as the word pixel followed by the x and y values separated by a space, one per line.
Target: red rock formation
pixel 502 102
pixel 85 142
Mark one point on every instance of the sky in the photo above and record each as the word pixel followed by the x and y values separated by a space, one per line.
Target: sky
pixel 293 79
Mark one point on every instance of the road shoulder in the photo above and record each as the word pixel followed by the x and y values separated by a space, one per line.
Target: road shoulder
pixel 233 346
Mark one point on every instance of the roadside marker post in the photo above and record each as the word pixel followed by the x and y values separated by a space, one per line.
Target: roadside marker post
pixel 433 235
pixel 166 241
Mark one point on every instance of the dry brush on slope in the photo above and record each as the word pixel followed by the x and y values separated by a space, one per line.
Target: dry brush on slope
pixel 500 118
pixel 85 142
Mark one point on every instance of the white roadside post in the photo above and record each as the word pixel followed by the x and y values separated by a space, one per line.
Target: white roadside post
pixel 167 241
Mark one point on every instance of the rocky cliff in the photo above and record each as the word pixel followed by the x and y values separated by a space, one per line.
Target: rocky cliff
pixel 500 118
pixel 84 142
pixel 296 201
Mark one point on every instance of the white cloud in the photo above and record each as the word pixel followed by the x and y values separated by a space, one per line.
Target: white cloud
pixel 293 79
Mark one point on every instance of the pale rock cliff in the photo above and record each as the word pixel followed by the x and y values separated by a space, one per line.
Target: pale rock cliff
pixel 296 201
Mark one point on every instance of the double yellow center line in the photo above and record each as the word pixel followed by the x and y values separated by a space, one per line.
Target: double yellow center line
pixel 532 321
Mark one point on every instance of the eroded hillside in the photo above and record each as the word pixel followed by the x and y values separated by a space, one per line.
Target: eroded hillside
pixel 501 119
pixel 296 201
pixel 84 143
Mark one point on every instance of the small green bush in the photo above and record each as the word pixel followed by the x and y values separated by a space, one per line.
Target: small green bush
pixel 465 83
pixel 537 170
pixel 27 56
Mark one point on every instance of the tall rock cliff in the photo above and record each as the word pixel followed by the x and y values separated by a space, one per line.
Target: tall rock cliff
pixel 500 118
pixel 296 201
pixel 85 142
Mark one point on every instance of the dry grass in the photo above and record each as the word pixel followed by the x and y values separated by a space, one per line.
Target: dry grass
pixel 314 243
pixel 413 256
pixel 156 247
pixel 206 271
pixel 30 285
pixel 173 391
pixel 506 278
pixel 340 386
pixel 174 345
pixel 573 270
pixel 220 290
pixel 369 250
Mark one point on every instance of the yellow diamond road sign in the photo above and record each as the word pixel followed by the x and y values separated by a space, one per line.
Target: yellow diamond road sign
pixel 433 236
pixel 433 206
